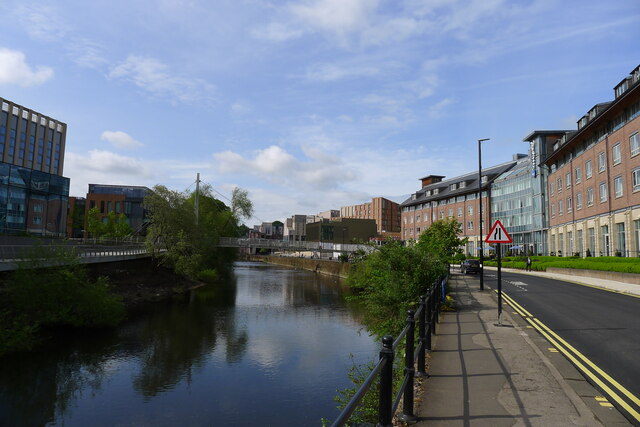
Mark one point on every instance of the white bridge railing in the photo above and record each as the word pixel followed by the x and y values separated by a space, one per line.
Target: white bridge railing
pixel 231 242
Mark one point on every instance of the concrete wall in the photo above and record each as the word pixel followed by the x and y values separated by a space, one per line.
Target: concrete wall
pixel 331 268
pixel 605 275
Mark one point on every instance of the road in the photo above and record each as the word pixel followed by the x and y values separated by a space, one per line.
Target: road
pixel 603 326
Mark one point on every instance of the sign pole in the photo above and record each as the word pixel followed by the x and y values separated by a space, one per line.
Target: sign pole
pixel 498 252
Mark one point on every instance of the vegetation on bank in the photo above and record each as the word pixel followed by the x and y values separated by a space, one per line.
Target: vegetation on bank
pixel 187 242
pixel 388 282
pixel 51 288
pixel 541 263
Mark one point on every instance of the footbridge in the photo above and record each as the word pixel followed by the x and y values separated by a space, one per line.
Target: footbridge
pixel 297 246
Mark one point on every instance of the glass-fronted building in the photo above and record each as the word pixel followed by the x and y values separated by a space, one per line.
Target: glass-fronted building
pixel 33 192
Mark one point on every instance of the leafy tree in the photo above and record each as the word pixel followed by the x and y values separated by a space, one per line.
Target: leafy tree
pixel 115 226
pixel 188 246
pixel 442 239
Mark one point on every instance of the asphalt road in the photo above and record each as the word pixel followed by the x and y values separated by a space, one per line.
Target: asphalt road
pixel 604 326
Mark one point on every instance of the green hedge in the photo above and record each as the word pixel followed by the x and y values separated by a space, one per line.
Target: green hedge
pixel 541 263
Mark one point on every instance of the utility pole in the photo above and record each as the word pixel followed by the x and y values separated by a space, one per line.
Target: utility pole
pixel 480 202
pixel 197 203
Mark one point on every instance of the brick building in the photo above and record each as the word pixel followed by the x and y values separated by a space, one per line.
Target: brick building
pixel 451 198
pixel 127 199
pixel 594 179
pixel 385 212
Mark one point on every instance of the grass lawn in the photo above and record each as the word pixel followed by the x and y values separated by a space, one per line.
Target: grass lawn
pixel 541 263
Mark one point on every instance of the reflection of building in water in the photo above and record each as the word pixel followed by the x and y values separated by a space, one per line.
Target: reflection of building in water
pixel 33 192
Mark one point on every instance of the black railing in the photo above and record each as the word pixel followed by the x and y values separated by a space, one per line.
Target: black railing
pixel 427 317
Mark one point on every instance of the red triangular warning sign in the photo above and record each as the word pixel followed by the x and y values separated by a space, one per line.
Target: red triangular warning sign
pixel 498 234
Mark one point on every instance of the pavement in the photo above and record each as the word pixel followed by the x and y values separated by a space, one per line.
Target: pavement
pixel 486 374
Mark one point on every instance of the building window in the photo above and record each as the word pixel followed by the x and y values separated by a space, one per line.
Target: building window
pixel 602 164
pixel 592 239
pixel 579 201
pixel 417 215
pixel 102 206
pixel 463 184
pixel 588 169
pixel 569 204
pixel 578 175
pixel 37 219
pixel 616 154
pixel 590 196
pixel 635 178
pixel 621 246
pixel 452 187
pixel 470 225
pixel 470 208
pixel 568 180
pixel 553 209
pixel 634 144
pixel 450 212
pixel 603 192
pixel 617 186
pixel 552 188
pixel 560 207
pixel 559 185
pixel 459 211
pixel 441 214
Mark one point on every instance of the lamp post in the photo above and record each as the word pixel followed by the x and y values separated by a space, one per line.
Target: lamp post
pixel 480 202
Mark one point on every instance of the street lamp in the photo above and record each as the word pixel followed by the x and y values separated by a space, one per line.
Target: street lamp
pixel 480 202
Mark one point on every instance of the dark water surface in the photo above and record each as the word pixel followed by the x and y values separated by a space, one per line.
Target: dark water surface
pixel 267 349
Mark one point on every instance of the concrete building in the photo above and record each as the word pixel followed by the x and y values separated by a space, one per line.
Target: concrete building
pixel 341 230
pixel 594 179
pixel 127 199
pixel 33 192
pixel 452 198
pixel 385 212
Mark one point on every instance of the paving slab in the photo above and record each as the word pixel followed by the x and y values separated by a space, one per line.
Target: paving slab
pixel 485 374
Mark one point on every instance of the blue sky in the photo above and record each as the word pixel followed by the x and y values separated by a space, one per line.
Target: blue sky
pixel 313 104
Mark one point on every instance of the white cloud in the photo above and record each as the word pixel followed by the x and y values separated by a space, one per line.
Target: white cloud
pixel 41 21
pixel 317 171
pixel 240 107
pixel 337 16
pixel 153 76
pixel 105 167
pixel 87 53
pixel 333 72
pixel 120 139
pixel 277 32
pixel 438 109
pixel 15 70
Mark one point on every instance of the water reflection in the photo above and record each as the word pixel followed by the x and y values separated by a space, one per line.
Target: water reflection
pixel 268 347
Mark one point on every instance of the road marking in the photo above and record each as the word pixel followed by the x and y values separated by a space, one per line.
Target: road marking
pixel 567 349
pixel 549 335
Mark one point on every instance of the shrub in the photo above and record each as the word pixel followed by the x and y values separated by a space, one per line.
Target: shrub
pixel 208 276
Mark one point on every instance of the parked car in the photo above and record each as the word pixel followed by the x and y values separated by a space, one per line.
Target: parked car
pixel 470 266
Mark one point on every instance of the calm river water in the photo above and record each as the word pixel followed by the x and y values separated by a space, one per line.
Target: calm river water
pixel 270 348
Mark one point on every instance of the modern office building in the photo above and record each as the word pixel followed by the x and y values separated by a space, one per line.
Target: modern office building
pixel 341 230
pixel 385 212
pixel 594 179
pixel 127 199
pixel 33 192
pixel 452 198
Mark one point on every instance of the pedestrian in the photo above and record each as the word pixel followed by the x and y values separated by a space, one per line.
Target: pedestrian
pixel 528 263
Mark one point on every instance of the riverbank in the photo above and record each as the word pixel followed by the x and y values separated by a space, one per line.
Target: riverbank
pixel 326 267
pixel 141 281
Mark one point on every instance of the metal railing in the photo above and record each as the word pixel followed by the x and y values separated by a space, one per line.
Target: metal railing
pixel 427 317
pixel 304 245
pixel 17 253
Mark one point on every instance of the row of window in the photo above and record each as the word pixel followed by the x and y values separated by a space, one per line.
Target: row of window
pixel 604 247
pixel 442 202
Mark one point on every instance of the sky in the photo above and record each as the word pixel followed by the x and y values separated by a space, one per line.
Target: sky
pixel 308 105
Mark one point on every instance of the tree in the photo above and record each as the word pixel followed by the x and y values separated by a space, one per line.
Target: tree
pixel 114 227
pixel 442 239
pixel 176 239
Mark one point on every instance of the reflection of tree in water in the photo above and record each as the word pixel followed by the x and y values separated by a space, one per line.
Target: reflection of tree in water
pixel 38 387
pixel 177 340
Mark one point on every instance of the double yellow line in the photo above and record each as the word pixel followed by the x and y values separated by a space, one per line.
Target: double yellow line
pixel 613 389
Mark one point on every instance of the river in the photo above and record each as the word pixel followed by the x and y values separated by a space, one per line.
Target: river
pixel 268 348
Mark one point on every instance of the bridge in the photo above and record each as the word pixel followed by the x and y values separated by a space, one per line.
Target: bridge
pixel 296 246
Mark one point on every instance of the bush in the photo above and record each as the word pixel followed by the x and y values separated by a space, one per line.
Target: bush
pixel 208 276
pixel 51 288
